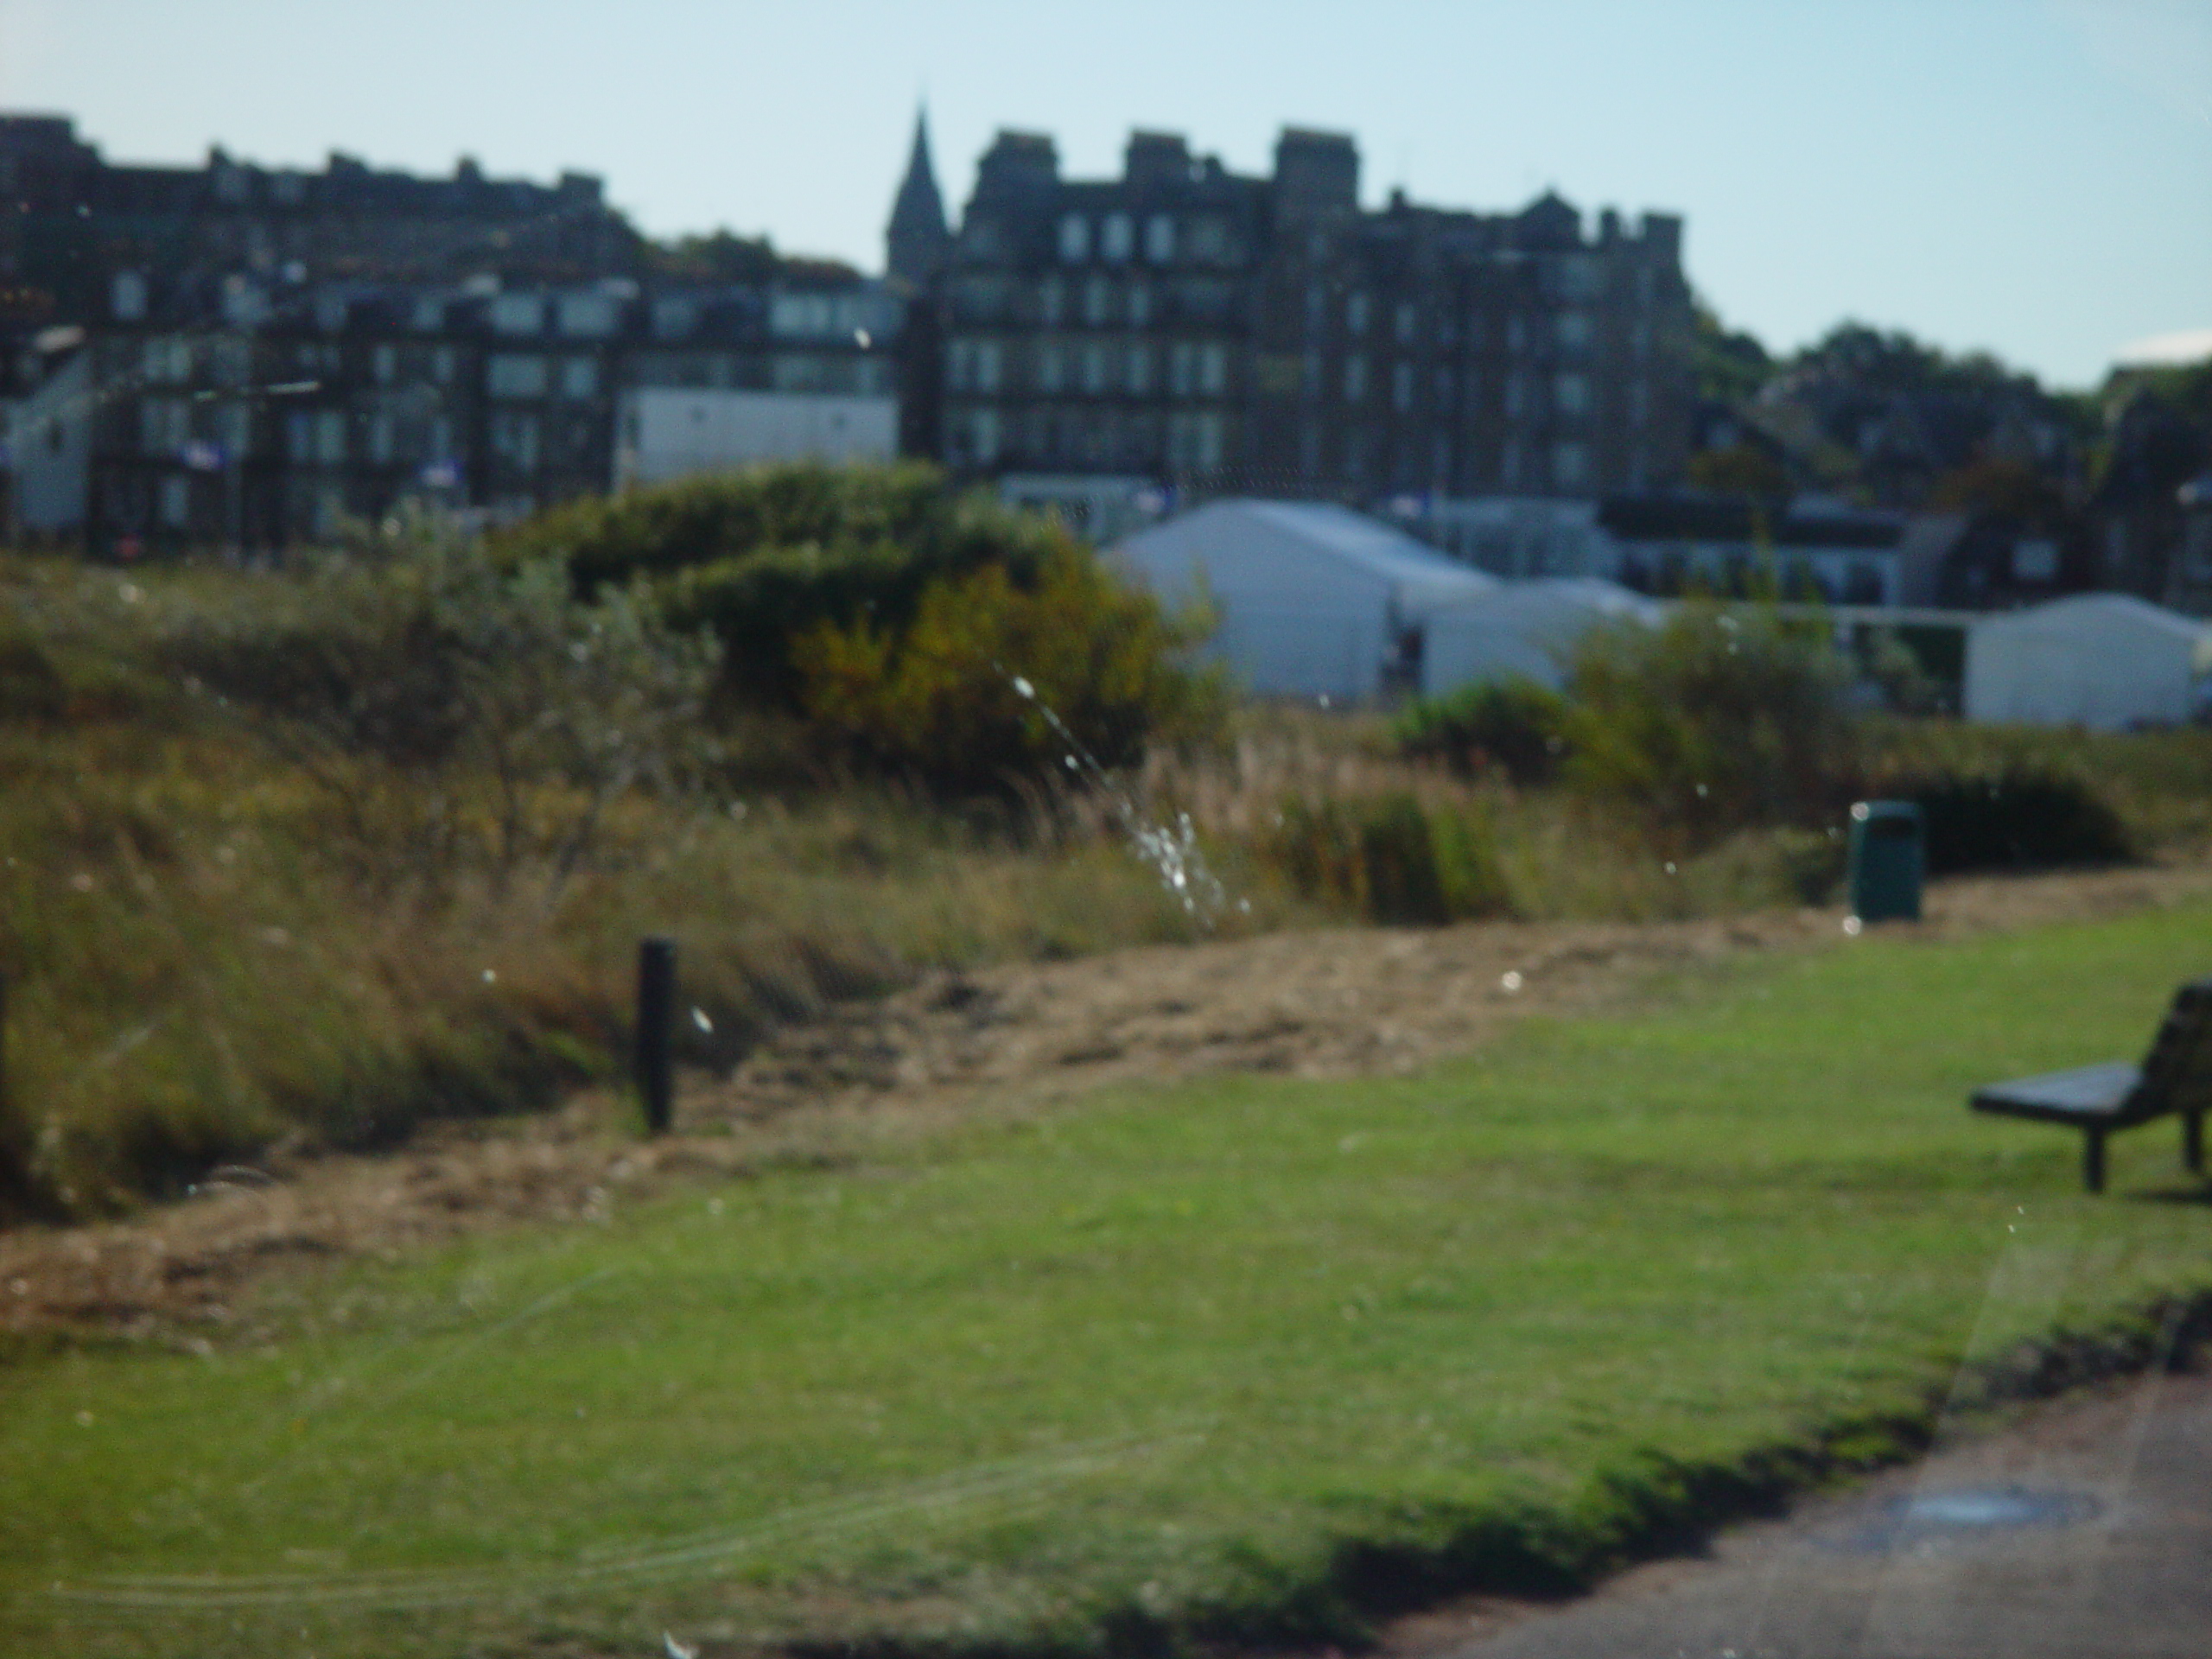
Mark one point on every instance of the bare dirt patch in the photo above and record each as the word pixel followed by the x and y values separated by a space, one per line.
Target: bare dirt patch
pixel 1336 1002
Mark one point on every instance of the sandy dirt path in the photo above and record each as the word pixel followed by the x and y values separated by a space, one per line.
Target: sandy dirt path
pixel 1335 1002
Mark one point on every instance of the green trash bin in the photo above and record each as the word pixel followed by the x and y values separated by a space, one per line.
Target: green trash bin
pixel 1887 861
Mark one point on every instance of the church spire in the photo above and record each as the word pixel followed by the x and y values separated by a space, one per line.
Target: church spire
pixel 916 239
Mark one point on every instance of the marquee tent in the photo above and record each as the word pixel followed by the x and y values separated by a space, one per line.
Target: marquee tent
pixel 1315 600
pixel 2103 661
pixel 1523 630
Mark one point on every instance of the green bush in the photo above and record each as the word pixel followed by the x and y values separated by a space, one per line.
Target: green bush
pixel 995 677
pixel 1390 858
pixel 2017 816
pixel 1716 721
pixel 1516 727
pixel 763 557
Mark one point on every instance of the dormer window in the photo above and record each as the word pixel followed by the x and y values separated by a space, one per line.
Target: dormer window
pixel 1075 239
pixel 1116 238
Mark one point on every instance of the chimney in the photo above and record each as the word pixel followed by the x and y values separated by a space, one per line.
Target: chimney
pixel 1317 173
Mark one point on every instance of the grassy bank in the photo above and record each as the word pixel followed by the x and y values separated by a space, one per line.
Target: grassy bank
pixel 1241 1359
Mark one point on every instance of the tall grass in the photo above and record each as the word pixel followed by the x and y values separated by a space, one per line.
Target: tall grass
pixel 210 949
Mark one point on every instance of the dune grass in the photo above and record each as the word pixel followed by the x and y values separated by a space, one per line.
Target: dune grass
pixel 1249 1359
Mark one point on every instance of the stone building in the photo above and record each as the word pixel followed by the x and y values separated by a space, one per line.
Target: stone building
pixel 225 413
pixel 1186 325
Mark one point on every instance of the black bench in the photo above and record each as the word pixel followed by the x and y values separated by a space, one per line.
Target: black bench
pixel 2176 1076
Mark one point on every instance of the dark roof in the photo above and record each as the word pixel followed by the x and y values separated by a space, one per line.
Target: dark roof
pixel 1722 518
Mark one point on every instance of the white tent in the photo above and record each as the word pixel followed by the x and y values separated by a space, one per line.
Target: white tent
pixel 2105 661
pixel 1524 630
pixel 1315 600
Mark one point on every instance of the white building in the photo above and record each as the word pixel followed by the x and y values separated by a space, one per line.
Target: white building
pixel 2103 661
pixel 1314 600
pixel 1513 534
pixel 1524 630
pixel 45 442
pixel 667 432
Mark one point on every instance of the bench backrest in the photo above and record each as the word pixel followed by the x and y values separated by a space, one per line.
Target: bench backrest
pixel 2177 1071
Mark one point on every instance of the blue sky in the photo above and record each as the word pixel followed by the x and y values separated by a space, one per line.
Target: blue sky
pixel 2030 177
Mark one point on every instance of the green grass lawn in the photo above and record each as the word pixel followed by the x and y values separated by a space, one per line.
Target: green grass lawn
pixel 1241 1358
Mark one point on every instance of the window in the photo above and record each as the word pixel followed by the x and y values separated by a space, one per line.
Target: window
pixel 380 440
pixel 330 436
pixel 167 360
pixel 1115 237
pixel 511 376
pixel 1139 305
pixel 441 364
pixel 1405 320
pixel 987 365
pixel 1570 465
pixel 580 378
pixel 176 501
pixel 983 436
pixel 1094 368
pixel 960 365
pixel 588 316
pixel 1514 396
pixel 1356 314
pixel 1208 443
pixel 1098 301
pixel 1159 239
pixel 1209 240
pixel 1574 330
pixel 673 318
pixel 1355 377
pixel 514 440
pixel 1401 388
pixel 1571 394
pixel 429 316
pixel 1075 239
pixel 164 425
pixel 1213 369
pixel 517 313
pixel 1444 389
pixel 1180 368
pixel 384 364
pixel 1139 369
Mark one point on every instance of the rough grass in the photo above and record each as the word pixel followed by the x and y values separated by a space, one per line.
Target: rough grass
pixel 1252 1360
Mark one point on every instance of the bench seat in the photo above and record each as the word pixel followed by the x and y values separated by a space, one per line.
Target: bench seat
pixel 2086 1094
pixel 2175 1078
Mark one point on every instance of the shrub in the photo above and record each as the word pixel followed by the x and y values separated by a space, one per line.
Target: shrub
pixel 1516 727
pixel 2017 817
pixel 499 715
pixel 1390 858
pixel 995 678
pixel 761 557
pixel 1716 721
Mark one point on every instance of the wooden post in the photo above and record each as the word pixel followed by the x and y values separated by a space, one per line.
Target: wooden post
pixel 2093 1160
pixel 656 1030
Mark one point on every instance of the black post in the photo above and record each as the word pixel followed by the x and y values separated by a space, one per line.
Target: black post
pixel 656 1029
pixel 2093 1160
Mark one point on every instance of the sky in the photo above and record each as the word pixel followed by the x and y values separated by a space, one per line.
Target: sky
pixel 2028 177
